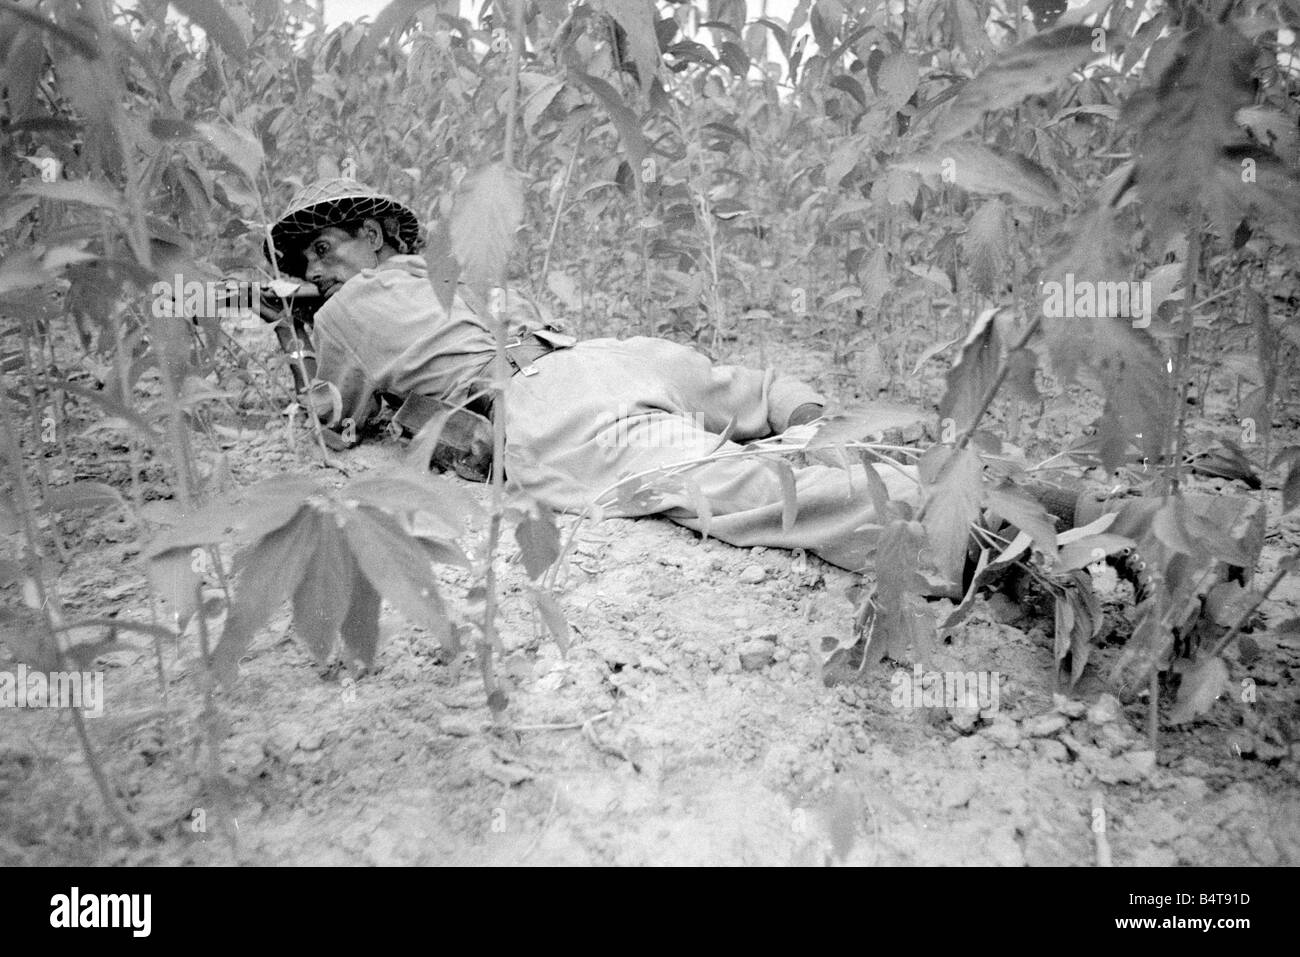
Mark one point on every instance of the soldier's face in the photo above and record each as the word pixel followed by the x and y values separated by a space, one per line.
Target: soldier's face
pixel 333 257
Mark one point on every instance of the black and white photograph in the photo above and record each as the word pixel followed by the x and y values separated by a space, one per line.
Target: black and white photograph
pixel 675 433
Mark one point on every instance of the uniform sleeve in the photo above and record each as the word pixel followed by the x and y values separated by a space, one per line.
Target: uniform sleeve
pixel 786 394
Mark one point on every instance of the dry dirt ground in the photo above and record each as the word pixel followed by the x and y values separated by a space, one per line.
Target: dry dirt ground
pixel 689 724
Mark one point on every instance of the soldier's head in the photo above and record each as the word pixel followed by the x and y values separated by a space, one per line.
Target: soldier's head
pixel 335 228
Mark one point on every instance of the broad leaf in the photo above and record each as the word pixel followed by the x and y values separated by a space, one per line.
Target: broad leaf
pixel 986 244
pixel 952 504
pixel 987 170
pixel 1089 549
pixel 237 145
pixel 360 631
pixel 1184 124
pixel 973 374
pixel 264 508
pixel 637 17
pixel 897 79
pixel 174 580
pixel 323 597
pixel 82 191
pixel 554 618
pixel 1036 66
pixel 216 23
pixel 901 622
pixel 1026 513
pixel 397 567
pixel 268 572
pixel 488 210
pixel 1291 485
pixel 539 542
pixel 444 271
pixel 432 496
pixel 84 495
pixel 625 121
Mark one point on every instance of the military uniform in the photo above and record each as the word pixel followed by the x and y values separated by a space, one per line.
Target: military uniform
pixel 581 418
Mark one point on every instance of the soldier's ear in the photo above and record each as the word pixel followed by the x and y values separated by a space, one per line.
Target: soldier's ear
pixel 373 233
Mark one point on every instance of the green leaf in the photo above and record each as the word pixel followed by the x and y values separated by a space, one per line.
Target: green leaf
pixel 986 243
pixel 876 488
pixel 625 121
pixel 846 84
pixel 637 18
pixel 903 626
pixel 393 18
pixel 263 508
pixel 83 191
pixel 974 372
pixel 733 56
pixel 541 91
pixel 360 630
pixel 1106 355
pixel 1036 66
pixel 397 567
pixel 489 208
pixel 174 580
pixel 86 45
pixel 84 495
pixel 1291 487
pixel 444 272
pixel 217 24
pixel 554 618
pixel 432 496
pixel 779 32
pixel 989 171
pixel 13 209
pixel 268 571
pixel 323 597
pixel 539 541
pixel 1089 549
pixel 1184 122
pixel 238 145
pixel 952 503
pixel 1026 513
pixel 898 78
pixel 1063 633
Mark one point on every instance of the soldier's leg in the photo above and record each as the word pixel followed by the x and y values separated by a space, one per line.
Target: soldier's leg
pixel 737 497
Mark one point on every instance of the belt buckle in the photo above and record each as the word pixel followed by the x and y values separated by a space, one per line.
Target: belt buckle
pixel 529 370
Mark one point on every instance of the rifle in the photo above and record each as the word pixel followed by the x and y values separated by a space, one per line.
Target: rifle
pixel 291 308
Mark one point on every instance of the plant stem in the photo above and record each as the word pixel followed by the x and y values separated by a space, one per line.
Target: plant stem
pixel 559 209
pixel 52 614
